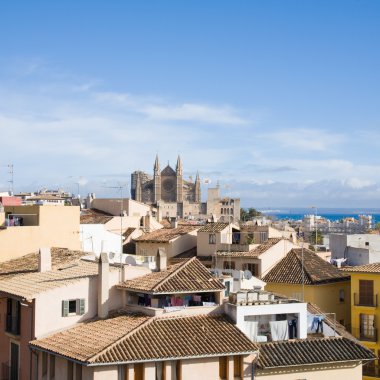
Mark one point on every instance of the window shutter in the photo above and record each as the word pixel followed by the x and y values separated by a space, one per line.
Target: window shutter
pixel 81 306
pixel 65 308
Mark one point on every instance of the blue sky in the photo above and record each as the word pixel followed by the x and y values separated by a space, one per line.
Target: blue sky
pixel 277 100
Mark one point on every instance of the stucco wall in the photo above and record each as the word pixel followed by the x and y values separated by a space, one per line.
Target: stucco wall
pixel 207 368
pixel 56 227
pixel 206 249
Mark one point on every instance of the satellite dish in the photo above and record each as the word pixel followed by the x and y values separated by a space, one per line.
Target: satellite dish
pixel 130 260
pixel 247 274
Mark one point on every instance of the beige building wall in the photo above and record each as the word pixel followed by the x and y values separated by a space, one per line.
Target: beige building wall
pixel 204 248
pixel 172 248
pixel 113 206
pixel 44 226
pixel 339 371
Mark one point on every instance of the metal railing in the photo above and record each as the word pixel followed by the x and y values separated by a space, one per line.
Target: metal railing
pixel 360 300
pixel 366 335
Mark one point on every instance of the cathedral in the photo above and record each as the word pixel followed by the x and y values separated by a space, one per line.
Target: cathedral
pixel 167 190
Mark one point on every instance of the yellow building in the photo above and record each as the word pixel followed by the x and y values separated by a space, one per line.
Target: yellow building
pixel 365 311
pixel 303 275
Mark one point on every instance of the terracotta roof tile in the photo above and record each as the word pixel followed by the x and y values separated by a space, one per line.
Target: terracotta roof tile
pixel 29 285
pixel 213 227
pixel 311 351
pixel 367 268
pixel 186 276
pixel 164 235
pixel 316 270
pixel 254 253
pixel 129 338
pixel 29 263
pixel 94 216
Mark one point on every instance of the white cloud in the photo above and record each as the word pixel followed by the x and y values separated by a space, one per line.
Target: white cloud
pixel 357 183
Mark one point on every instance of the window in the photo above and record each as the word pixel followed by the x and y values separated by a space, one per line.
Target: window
pixel 44 364
pixel 78 372
pixel 15 364
pixel 366 293
pixel 13 316
pixel 229 265
pixel 341 295
pixel 367 327
pixel 160 371
pixel 70 369
pixel 73 307
pixel 52 367
pixel 212 239
pixel 253 268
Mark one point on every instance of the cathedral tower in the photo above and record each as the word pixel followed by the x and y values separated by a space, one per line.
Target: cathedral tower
pixel 179 175
pixel 138 196
pixel 156 181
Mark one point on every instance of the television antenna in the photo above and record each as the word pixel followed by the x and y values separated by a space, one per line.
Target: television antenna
pixel 10 172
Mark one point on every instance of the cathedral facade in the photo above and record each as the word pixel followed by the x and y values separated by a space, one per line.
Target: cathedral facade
pixel 168 191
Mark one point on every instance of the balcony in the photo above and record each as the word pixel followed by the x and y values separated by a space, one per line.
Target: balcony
pixel 365 335
pixel 360 300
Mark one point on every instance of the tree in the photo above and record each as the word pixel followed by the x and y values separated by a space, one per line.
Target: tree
pixel 318 240
pixel 247 214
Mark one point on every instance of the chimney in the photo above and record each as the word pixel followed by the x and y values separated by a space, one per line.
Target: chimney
pixel 103 285
pixel 161 260
pixel 173 223
pixel 44 260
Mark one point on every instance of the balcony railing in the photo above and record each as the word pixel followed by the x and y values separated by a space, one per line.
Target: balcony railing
pixel 367 335
pixel 13 325
pixel 360 300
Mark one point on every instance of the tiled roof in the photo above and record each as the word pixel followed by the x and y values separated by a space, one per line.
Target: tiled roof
pixel 340 329
pixel 316 270
pixel 29 263
pixel 31 284
pixel 94 216
pixel 254 253
pixel 164 235
pixel 213 227
pixel 128 338
pixel 186 276
pixel 311 351
pixel 368 268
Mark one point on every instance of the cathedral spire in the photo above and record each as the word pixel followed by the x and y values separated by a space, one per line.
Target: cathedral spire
pixel 197 179
pixel 178 167
pixel 156 165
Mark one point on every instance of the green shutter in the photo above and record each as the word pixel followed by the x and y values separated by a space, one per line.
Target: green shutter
pixel 65 308
pixel 81 306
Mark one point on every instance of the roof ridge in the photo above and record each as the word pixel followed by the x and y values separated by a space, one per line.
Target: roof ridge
pixel 181 266
pixel 117 341
pixel 305 271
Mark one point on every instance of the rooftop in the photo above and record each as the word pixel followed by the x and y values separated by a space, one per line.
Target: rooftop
pixel 311 351
pixel 367 268
pixel 315 270
pixel 186 276
pixel 254 253
pixel 164 235
pixel 28 286
pixel 136 338
pixel 60 257
pixel 213 227
pixel 94 216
